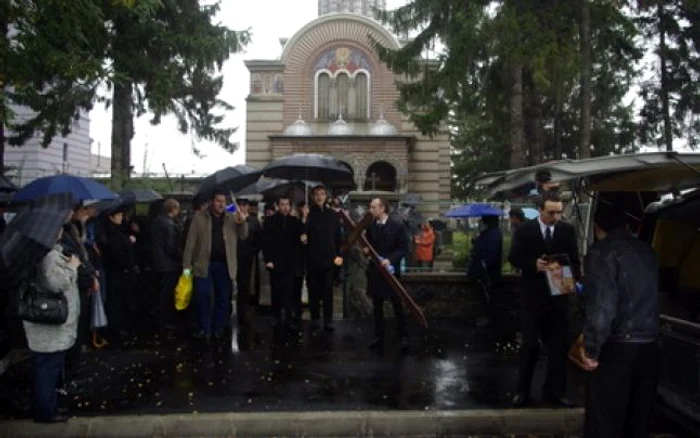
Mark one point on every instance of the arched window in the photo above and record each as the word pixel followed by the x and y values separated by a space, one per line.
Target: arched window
pixel 323 96
pixel 361 96
pixel 342 88
pixel 380 176
pixel 342 92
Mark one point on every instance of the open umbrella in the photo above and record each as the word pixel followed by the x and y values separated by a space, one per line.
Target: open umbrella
pixel 31 235
pixel 296 190
pixel 258 187
pixel 310 167
pixel 229 180
pixel 81 189
pixel 473 210
pixel 137 196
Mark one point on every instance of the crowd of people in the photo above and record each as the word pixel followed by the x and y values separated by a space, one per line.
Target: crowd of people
pixel 95 254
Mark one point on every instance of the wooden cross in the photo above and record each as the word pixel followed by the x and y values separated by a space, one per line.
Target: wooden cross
pixel 357 236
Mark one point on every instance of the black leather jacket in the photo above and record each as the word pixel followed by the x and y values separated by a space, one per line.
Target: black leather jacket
pixel 621 293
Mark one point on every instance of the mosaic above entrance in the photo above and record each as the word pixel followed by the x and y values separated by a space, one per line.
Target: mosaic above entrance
pixel 342 58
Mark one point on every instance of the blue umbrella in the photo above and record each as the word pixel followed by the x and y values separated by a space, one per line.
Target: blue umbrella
pixel 474 210
pixel 530 213
pixel 81 189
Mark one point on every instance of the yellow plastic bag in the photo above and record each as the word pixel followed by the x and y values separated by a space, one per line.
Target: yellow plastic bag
pixel 183 292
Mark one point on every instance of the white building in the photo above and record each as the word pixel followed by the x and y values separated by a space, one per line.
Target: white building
pixel 69 154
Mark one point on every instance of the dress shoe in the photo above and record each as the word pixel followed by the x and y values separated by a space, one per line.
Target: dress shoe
pixel 328 327
pixel 561 401
pixel 62 411
pixel 519 399
pixel 376 343
pixel 404 344
pixel 58 418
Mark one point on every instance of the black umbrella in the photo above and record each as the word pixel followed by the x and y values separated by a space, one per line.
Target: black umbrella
pixel 260 186
pixel 31 235
pixel 138 196
pixel 297 191
pixel 310 167
pixel 229 180
pixel 7 186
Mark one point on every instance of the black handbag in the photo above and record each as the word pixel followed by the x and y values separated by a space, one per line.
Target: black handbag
pixel 42 306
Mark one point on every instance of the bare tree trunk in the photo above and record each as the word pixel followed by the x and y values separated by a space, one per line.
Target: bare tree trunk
pixel 533 120
pixel 668 134
pixel 4 29
pixel 122 133
pixel 558 109
pixel 517 129
pixel 584 147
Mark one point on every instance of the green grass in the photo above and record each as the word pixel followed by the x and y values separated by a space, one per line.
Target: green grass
pixel 462 245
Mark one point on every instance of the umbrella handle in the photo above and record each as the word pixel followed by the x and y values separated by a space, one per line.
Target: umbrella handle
pixel 235 203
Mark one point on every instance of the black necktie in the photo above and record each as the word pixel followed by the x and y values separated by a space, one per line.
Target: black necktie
pixel 548 238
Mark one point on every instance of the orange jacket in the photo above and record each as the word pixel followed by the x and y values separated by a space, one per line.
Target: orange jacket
pixel 424 244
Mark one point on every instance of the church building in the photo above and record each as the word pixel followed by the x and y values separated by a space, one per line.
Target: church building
pixel 329 93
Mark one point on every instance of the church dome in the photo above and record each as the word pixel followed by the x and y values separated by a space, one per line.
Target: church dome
pixel 298 129
pixel 340 127
pixel 382 127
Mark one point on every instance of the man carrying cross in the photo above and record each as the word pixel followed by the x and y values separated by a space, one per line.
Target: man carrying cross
pixel 389 239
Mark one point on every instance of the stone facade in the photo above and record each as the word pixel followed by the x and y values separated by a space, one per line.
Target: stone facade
pixel 329 71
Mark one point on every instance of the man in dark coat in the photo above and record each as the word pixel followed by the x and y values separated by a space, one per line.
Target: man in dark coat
pixel 281 248
pixel 388 237
pixel 323 251
pixel 543 315
pixel 621 329
pixel 247 250
pixel 166 259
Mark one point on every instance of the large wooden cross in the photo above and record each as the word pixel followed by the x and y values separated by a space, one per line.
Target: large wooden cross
pixel 357 236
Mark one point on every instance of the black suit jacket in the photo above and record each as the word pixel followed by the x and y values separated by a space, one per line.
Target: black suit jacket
pixel 282 242
pixel 391 242
pixel 527 246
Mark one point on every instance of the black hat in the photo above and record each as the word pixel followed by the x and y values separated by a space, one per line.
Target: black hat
pixel 270 206
pixel 243 201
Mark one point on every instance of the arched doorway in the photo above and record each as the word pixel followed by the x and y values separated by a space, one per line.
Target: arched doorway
pixel 380 176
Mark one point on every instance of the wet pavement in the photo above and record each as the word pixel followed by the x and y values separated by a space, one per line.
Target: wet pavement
pixel 457 366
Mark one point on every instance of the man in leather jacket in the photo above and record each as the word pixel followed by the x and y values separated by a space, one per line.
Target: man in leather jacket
pixel 621 329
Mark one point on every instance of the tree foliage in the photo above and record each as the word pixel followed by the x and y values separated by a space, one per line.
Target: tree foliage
pixel 156 56
pixel 504 78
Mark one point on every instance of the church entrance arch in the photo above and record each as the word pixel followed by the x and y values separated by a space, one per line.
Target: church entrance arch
pixel 380 175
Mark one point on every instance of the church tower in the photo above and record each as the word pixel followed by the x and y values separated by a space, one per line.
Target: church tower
pixel 362 7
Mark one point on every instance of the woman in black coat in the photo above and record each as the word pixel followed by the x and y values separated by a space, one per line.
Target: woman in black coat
pixel 119 263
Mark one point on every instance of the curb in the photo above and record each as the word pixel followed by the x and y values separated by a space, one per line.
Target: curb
pixel 336 424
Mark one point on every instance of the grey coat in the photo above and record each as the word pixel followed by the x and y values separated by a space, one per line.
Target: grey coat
pixel 54 273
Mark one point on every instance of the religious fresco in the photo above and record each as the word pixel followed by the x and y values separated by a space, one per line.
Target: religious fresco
pixel 267 83
pixel 342 58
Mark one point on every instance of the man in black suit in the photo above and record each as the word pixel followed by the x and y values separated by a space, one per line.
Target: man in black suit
pixel 388 238
pixel 323 250
pixel 543 315
pixel 281 244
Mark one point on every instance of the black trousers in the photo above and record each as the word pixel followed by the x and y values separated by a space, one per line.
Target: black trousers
pixel 379 322
pixel 243 299
pixel 119 290
pixel 167 282
pixel 47 373
pixel 297 306
pixel 620 393
pixel 282 285
pixel 320 283
pixel 552 326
